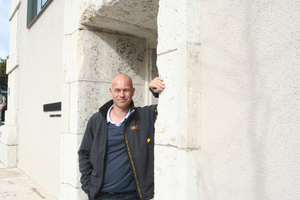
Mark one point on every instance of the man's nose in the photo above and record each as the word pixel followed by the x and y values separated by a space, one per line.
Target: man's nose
pixel 122 93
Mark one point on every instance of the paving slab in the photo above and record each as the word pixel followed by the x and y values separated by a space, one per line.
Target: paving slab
pixel 16 185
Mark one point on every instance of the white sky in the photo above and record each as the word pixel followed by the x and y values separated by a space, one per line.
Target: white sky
pixel 4 28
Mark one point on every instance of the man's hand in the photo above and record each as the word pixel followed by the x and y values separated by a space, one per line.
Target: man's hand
pixel 157 85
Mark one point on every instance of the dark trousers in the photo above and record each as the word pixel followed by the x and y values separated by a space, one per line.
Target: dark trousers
pixel 117 196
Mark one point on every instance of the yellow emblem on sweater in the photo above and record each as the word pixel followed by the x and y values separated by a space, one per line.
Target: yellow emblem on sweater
pixel 134 127
pixel 148 140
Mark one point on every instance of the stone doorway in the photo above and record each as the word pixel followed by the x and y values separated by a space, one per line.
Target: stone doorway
pixel 113 37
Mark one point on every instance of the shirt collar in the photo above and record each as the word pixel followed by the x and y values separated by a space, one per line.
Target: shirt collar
pixel 108 119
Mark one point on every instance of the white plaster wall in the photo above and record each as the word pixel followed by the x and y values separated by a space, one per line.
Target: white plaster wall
pixel 40 82
pixel 250 100
pixel 13 33
pixel 9 132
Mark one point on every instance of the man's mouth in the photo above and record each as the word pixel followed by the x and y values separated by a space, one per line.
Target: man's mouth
pixel 121 100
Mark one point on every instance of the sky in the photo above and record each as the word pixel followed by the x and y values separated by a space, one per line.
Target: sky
pixel 4 28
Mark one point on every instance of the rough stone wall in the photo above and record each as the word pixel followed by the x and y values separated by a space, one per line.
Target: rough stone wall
pixel 177 150
pixel 131 17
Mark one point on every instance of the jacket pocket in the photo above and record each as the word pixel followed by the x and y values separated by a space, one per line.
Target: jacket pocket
pixel 94 185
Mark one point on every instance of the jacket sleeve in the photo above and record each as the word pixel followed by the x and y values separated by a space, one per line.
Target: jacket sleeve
pixel 153 113
pixel 156 95
pixel 85 167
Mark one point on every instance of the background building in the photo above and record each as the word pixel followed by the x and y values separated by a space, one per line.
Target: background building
pixel 228 120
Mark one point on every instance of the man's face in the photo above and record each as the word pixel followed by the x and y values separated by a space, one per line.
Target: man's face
pixel 122 91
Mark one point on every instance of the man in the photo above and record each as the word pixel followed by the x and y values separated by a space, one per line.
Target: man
pixel 116 157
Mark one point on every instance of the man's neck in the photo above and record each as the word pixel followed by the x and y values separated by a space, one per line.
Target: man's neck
pixel 117 114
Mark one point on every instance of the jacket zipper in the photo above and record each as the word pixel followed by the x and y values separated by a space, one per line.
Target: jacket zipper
pixel 131 161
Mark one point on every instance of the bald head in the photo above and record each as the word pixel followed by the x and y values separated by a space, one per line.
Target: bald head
pixel 121 78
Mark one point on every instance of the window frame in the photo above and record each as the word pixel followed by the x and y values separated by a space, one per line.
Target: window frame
pixel 33 13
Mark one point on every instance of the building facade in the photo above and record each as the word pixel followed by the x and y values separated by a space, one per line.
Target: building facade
pixel 228 120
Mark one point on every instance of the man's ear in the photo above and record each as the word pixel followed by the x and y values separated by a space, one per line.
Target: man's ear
pixel 110 91
pixel 133 89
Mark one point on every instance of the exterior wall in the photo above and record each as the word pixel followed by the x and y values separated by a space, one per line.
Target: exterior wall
pixel 250 100
pixel 35 78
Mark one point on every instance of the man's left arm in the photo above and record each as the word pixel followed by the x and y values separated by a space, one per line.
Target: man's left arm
pixel 156 86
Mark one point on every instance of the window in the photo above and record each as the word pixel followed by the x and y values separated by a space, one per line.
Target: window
pixel 34 10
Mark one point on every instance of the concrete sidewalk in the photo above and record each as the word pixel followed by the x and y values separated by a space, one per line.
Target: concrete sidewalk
pixel 16 185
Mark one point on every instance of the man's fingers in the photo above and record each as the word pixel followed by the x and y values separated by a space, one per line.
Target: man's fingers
pixel 159 82
pixel 157 85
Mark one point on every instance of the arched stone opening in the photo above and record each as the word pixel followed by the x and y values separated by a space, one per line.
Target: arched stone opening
pixel 121 37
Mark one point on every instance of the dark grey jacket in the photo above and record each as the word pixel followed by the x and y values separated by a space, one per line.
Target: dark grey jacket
pixel 139 139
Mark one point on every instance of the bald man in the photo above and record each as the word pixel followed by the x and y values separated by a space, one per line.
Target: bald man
pixel 116 156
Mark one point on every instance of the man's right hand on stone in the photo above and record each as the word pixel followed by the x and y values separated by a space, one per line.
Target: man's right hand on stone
pixel 157 85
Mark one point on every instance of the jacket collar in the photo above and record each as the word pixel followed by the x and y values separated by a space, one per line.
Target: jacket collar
pixel 104 109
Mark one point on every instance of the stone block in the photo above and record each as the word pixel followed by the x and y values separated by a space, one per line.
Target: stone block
pixel 169 25
pixel 86 99
pixel 179 170
pixel 139 95
pixel 70 174
pixel 166 129
pixel 140 13
pixel 168 100
pixel 11 117
pixel 8 154
pixel 136 18
pixel 8 135
pixel 178 22
pixel 98 56
pixel 189 98
pixel 70 56
pixel 181 97
pixel 65 112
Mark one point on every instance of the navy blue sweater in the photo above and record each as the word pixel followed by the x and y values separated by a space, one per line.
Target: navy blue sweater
pixel 118 176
